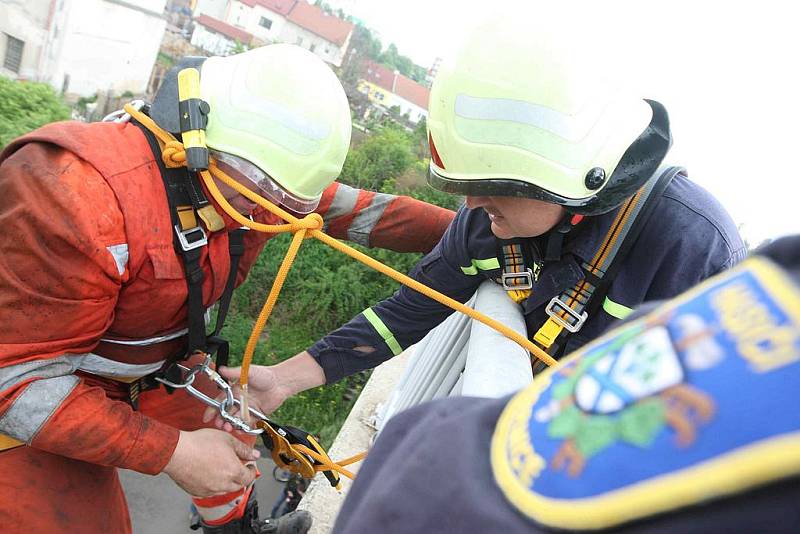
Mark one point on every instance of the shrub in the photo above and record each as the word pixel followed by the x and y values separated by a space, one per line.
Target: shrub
pixel 25 106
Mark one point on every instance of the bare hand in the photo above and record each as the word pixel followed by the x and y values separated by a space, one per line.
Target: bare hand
pixel 265 393
pixel 209 462
pixel 269 386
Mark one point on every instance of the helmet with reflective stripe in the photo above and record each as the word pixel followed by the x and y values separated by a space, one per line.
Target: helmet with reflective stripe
pixel 283 111
pixel 521 113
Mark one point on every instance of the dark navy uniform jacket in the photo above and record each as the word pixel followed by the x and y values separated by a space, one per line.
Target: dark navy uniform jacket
pixel 430 468
pixel 688 238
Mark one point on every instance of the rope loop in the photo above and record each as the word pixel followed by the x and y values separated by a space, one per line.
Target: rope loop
pixel 312 221
pixel 173 154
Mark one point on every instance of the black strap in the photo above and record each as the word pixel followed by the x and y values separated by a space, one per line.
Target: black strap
pixel 555 238
pixel 218 345
pixel 182 188
pixel 519 262
pixel 179 194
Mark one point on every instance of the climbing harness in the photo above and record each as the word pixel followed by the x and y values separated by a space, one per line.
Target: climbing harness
pixel 569 311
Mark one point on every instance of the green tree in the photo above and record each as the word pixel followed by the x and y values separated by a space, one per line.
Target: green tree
pixel 385 154
pixel 24 106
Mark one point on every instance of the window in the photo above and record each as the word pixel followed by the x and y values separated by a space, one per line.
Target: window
pixel 299 41
pixel 265 22
pixel 13 53
pixel 312 47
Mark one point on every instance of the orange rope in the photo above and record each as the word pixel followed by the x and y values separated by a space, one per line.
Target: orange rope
pixel 174 155
pixel 306 222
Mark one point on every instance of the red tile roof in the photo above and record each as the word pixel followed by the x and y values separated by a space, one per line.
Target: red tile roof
pixel 412 91
pixel 225 29
pixel 282 7
pixel 315 20
pixel 398 84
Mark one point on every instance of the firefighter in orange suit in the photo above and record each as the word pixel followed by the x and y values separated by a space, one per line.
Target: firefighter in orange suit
pixel 94 289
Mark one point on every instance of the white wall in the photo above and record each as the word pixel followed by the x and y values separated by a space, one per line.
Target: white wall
pixel 212 42
pixel 253 19
pixel 26 21
pixel 213 8
pixel 415 113
pixel 328 51
pixel 103 44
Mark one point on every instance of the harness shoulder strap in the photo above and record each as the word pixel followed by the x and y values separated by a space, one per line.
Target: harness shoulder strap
pixel 570 310
pixel 185 196
pixel 515 257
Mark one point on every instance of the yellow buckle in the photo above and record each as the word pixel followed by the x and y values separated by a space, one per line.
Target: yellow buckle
pixel 548 333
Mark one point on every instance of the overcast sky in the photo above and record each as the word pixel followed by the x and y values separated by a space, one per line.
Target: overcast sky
pixel 726 71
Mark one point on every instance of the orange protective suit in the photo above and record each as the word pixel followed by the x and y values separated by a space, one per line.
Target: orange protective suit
pixel 92 293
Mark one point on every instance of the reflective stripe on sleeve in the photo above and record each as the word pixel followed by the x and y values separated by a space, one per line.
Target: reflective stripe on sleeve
pixel 384 332
pixel 343 203
pixel 484 265
pixel 34 406
pixel 367 218
pixel 616 310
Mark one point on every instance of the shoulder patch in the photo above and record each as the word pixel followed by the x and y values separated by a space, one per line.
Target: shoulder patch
pixel 689 403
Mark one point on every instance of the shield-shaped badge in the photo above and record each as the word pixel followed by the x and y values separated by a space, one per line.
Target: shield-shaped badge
pixel 642 367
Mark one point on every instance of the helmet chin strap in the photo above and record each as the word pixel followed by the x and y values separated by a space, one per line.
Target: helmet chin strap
pixel 555 238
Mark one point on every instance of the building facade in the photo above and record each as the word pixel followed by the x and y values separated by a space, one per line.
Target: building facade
pixel 218 38
pixel 389 89
pixel 285 21
pixel 81 47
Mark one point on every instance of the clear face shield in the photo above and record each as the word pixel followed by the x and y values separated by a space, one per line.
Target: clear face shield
pixel 267 187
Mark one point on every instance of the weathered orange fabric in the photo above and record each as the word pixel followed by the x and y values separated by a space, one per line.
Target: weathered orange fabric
pixel 68 192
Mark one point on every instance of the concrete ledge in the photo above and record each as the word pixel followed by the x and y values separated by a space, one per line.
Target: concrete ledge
pixel 321 499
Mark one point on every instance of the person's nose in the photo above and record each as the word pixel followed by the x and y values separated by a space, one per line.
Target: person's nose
pixel 476 202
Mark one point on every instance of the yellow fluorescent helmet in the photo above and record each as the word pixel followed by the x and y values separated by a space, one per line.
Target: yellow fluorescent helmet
pixel 521 112
pixel 282 109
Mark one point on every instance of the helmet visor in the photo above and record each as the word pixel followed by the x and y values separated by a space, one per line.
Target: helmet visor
pixel 267 187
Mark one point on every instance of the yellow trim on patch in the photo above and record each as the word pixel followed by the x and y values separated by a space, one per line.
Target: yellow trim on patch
pixel 738 470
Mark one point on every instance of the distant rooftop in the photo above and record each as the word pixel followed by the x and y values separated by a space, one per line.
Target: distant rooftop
pixel 315 20
pixel 225 29
pixel 282 7
pixel 398 84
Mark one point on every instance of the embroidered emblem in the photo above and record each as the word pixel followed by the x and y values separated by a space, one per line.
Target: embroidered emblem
pixel 682 405
pixel 639 379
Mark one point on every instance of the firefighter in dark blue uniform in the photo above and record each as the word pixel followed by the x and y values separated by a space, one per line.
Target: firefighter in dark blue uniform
pixel 569 205
pixel 567 197
pixel 683 419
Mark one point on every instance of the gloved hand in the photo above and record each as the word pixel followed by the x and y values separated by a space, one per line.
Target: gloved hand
pixel 210 462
